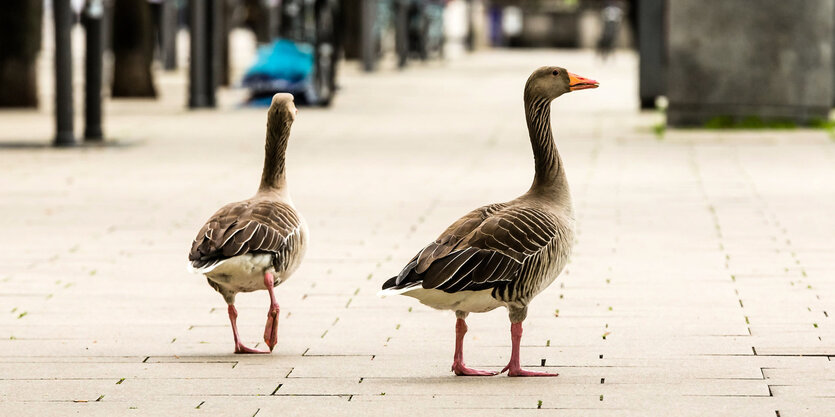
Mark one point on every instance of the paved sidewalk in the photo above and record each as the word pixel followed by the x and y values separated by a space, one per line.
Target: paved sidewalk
pixel 702 283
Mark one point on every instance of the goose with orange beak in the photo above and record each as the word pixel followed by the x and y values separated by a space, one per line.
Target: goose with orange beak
pixel 503 254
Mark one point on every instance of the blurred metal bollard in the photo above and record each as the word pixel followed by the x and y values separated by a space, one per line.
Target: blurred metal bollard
pixel 64 135
pixel 368 45
pixel 201 81
pixel 652 38
pixel 470 40
pixel 401 31
pixel 273 9
pixel 169 28
pixel 218 29
pixel 92 18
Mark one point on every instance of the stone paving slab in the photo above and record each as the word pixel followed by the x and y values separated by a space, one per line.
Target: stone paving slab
pixel 701 283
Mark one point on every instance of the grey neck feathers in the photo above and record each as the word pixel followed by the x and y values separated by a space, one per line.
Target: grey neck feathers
pixel 549 175
pixel 278 132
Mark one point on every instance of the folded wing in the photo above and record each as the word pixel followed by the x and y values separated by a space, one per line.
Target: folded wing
pixel 245 227
pixel 484 248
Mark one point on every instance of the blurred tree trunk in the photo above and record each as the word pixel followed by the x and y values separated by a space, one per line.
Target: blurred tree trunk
pixel 133 49
pixel 20 31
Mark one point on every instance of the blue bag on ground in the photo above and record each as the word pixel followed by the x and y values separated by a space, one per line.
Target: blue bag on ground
pixel 282 66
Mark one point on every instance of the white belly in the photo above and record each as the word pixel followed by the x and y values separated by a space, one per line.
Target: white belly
pixel 469 301
pixel 243 273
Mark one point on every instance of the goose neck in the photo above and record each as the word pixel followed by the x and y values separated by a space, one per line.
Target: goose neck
pixel 547 162
pixel 273 176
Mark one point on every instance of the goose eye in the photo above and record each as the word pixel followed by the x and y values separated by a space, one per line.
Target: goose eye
pixel 556 72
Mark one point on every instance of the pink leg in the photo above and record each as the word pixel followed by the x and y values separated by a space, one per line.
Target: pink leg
pixel 271 329
pixel 458 364
pixel 239 347
pixel 513 368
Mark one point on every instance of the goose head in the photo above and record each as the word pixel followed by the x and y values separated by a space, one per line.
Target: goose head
pixel 552 82
pixel 282 108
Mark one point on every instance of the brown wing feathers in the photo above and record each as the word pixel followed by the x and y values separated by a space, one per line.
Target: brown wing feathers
pixel 473 255
pixel 241 228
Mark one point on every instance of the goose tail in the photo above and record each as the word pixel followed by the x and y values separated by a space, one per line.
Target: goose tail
pixel 204 266
pixel 390 288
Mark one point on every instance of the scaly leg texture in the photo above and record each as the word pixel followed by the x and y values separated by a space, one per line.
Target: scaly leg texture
pixel 513 368
pixel 458 364
pixel 239 347
pixel 271 329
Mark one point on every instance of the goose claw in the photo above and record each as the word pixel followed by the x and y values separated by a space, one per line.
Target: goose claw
pixel 271 329
pixel 517 371
pixel 241 349
pixel 461 370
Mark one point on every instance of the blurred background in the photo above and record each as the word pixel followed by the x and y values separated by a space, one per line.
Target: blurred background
pixel 68 57
pixel 712 66
pixel 702 172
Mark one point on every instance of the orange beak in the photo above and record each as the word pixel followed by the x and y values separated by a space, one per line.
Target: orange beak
pixel 577 82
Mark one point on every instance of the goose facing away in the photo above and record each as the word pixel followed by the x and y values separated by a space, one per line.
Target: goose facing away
pixel 503 254
pixel 255 244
